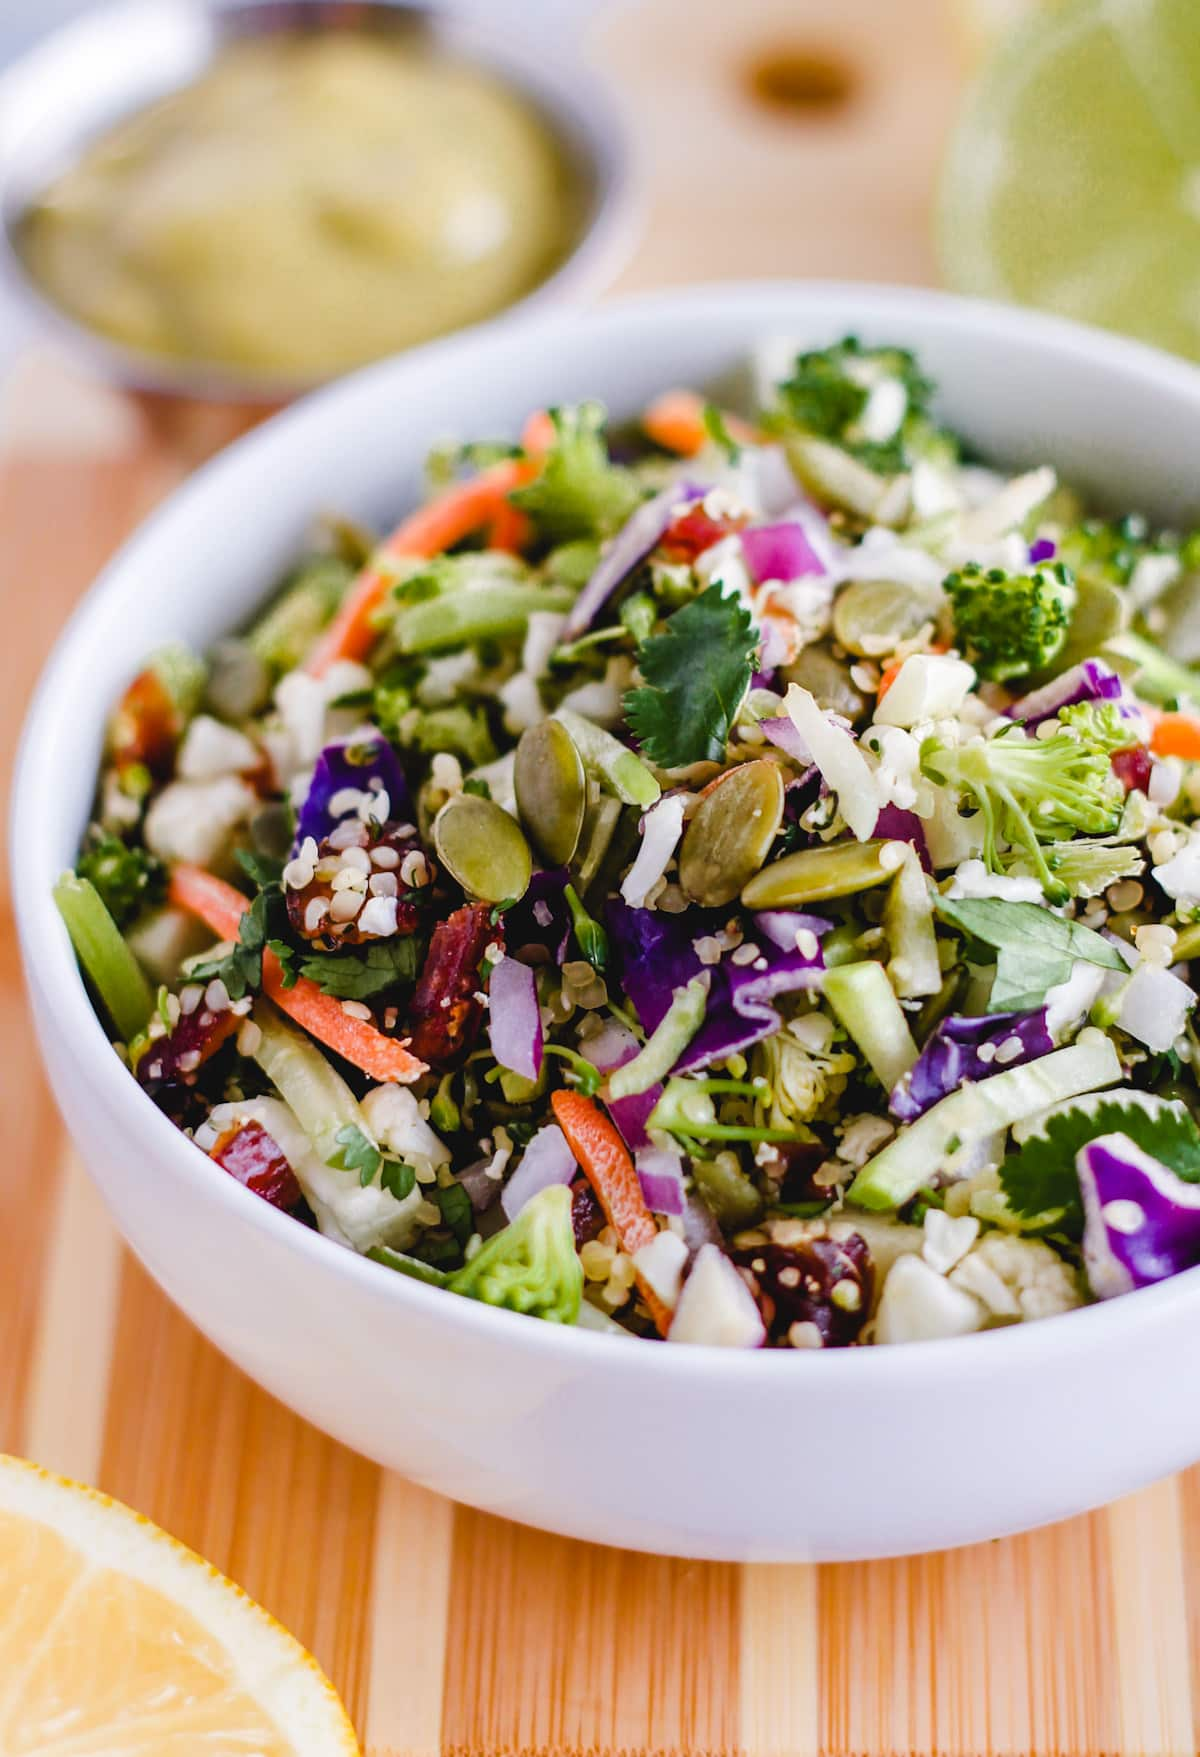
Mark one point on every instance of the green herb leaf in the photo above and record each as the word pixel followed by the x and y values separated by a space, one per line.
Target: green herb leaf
pixel 456 1211
pixel 1039 1176
pixel 717 428
pixel 349 976
pixel 398 1179
pixel 241 969
pixel 697 673
pixel 261 869
pixel 356 1152
pixel 1035 950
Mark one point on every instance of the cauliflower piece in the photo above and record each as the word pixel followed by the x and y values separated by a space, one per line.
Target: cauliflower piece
pixel 947 1239
pixel 1019 1278
pixel 716 1307
pixel 974 880
pixel 919 1305
pixel 196 820
pixel 394 1118
pixel 927 686
pixel 210 748
pixel 1179 876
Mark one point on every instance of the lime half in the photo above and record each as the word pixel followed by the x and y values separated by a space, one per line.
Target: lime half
pixel 1073 178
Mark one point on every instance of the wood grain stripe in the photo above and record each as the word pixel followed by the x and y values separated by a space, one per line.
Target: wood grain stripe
pixel 562 1647
pixel 779 1662
pixel 409 1612
pixel 72 1350
pixel 998 1649
pixel 283 1510
pixel 1150 1622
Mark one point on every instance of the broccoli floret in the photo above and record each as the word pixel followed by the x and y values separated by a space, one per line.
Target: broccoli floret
pixel 870 401
pixel 1030 790
pixel 1084 867
pixel 579 492
pixel 531 1266
pixel 1108 551
pixel 1010 624
pixel 1103 726
pixel 127 879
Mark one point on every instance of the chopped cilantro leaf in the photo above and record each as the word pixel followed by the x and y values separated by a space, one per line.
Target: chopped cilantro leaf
pixel 1039 1176
pixel 697 673
pixel 127 879
pixel 349 975
pixel 356 1152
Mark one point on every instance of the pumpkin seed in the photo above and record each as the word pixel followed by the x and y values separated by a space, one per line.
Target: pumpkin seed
pixel 599 828
pixel 731 834
pixel 872 617
pixel 482 848
pixel 813 874
pixel 551 790
pixel 827 680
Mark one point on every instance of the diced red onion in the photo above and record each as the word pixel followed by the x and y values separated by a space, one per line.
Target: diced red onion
pixel 779 552
pixel 1042 549
pixel 546 1160
pixel 612 1048
pixel 660 1173
pixel 781 732
pixel 784 926
pixel 480 1185
pixel 514 1018
pixel 635 540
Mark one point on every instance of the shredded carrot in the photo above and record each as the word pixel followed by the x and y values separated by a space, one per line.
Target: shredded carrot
pixel 461 510
pixel 537 435
pixel 608 1168
pixel 1176 735
pixel 509 529
pixel 675 421
pixel 221 907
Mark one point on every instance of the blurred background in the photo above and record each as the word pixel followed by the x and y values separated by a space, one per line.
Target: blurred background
pixel 230 201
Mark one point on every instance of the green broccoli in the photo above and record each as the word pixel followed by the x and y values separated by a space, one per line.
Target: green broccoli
pixel 127 879
pixel 1099 549
pixel 1030 790
pixel 1010 624
pixel 531 1266
pixel 1084 866
pixel 579 492
pixel 829 393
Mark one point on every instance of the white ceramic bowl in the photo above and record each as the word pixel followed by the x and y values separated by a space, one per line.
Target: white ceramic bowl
pixel 692 1451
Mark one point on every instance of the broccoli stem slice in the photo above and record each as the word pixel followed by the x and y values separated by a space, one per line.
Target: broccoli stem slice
pixel 105 957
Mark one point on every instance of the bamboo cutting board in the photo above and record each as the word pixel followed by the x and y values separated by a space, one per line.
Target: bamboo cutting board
pixel 448 1631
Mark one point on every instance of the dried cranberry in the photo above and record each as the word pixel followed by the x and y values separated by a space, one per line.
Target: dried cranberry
pixel 821 1281
pixel 256 1159
pixel 801 1159
pixel 446 1010
pixel 1132 768
pixel 587 1216
pixel 326 934
pixel 695 530
pixel 179 1053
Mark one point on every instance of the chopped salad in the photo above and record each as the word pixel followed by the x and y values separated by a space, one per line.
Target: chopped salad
pixel 728 880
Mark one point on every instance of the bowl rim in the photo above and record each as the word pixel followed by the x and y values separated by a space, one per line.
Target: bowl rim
pixel 82 1042
pixel 555 77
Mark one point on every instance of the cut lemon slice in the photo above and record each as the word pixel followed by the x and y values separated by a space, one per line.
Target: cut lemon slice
pixel 1073 179
pixel 115 1639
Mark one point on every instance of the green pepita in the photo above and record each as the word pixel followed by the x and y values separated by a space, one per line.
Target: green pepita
pixel 813 874
pixel 873 617
pixel 551 790
pixel 482 848
pixel 827 680
pixel 730 836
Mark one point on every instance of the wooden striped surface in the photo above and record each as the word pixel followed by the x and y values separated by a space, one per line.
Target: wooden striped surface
pixel 447 1631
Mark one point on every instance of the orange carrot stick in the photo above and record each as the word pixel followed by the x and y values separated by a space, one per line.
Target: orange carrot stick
pixel 675 421
pixel 537 435
pixel 221 907
pixel 608 1168
pixel 465 508
pixel 1176 735
pixel 509 529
